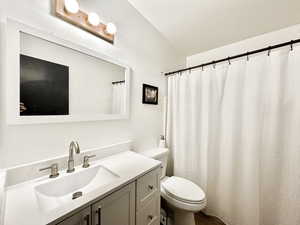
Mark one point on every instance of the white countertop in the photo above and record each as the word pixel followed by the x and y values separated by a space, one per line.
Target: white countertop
pixel 22 207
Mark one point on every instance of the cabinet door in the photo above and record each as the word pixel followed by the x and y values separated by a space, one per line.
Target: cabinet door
pixel 81 218
pixel 116 209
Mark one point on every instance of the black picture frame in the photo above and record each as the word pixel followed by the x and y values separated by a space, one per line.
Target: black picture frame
pixel 150 94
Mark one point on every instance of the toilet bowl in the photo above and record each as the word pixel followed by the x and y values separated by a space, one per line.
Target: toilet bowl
pixel 182 195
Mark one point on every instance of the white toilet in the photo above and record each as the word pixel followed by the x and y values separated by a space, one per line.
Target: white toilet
pixel 182 195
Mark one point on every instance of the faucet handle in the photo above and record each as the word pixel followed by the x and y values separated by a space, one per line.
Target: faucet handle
pixel 86 160
pixel 53 168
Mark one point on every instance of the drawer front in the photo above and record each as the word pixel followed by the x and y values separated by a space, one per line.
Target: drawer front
pixel 147 186
pixel 150 213
pixel 163 169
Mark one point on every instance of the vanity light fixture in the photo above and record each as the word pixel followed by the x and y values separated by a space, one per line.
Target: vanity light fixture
pixel 69 11
pixel 93 19
pixel 111 28
pixel 71 6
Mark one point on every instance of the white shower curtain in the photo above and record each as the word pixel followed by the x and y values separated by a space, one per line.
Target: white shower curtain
pixel 235 131
pixel 118 98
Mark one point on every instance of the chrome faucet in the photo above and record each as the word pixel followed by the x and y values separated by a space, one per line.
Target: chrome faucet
pixel 73 146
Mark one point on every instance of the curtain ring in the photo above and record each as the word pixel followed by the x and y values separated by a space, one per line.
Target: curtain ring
pixel 292 43
pixel 247 56
pixel 214 64
pixel 189 70
pixel 269 51
pixel 202 68
pixel 229 60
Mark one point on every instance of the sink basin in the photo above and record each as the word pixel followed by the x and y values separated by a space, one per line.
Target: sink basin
pixel 54 193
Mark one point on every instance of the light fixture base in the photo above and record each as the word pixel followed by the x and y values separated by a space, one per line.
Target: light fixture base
pixel 80 19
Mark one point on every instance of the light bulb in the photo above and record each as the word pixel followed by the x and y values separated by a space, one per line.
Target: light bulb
pixel 111 28
pixel 93 19
pixel 72 6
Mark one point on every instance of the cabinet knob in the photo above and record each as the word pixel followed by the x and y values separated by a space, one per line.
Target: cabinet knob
pixel 150 187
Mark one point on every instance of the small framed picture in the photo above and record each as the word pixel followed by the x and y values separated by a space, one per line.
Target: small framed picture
pixel 150 94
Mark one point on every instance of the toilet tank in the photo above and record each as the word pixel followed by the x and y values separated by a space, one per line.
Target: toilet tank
pixel 160 154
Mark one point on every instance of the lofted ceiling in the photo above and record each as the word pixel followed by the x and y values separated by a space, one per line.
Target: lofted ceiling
pixel 194 26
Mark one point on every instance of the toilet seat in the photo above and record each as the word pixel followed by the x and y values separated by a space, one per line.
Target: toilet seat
pixel 183 190
pixel 183 194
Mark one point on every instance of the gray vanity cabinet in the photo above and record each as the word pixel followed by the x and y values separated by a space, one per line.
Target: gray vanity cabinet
pixel 137 203
pixel 81 218
pixel 116 209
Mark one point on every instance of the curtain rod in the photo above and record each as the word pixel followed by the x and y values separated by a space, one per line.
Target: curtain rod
pixel 117 82
pixel 237 56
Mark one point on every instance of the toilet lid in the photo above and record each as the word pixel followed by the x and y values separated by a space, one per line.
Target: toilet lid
pixel 183 190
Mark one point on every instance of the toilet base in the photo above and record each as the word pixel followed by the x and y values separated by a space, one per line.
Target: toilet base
pixel 182 217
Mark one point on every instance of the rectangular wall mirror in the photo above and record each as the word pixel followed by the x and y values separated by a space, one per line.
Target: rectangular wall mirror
pixel 53 80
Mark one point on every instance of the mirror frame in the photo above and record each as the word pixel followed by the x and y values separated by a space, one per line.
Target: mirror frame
pixel 13 30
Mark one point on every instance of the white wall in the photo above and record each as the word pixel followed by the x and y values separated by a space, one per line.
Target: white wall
pixel 137 44
pixel 276 37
